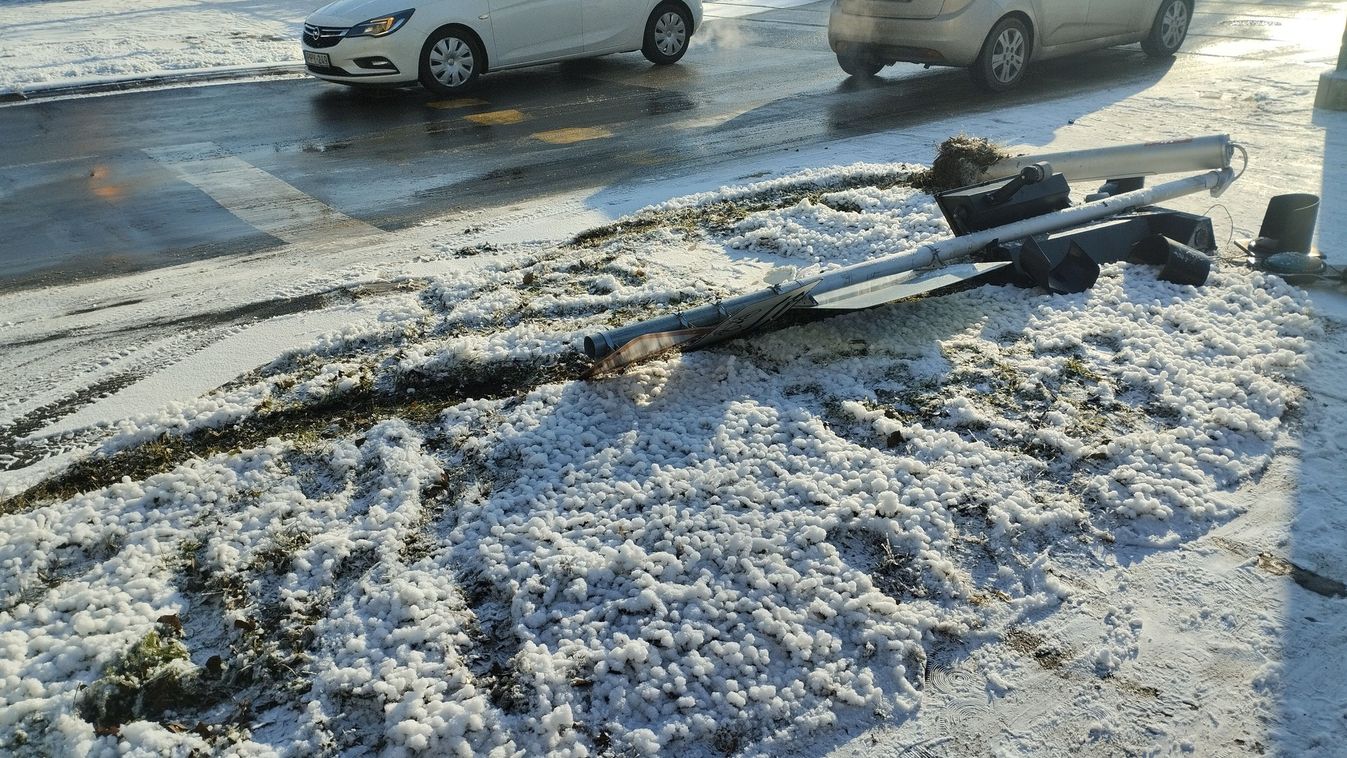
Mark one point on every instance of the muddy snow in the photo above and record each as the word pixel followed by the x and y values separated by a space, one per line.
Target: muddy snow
pixel 425 534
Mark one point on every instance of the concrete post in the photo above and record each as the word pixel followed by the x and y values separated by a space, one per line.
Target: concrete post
pixel 1333 84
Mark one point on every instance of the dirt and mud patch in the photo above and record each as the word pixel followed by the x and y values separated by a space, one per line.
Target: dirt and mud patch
pixel 16 452
pixel 1047 654
pixel 343 415
pixel 1310 580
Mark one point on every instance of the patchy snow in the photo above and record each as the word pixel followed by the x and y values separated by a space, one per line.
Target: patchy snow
pixel 992 522
pixel 844 227
pixel 714 551
pixel 59 44
pixel 216 364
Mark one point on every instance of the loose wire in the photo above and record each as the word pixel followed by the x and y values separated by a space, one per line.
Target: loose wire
pixel 1231 219
pixel 1245 154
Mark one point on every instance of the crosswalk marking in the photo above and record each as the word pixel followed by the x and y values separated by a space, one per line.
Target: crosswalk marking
pixel 258 198
pixel 569 136
pixel 496 118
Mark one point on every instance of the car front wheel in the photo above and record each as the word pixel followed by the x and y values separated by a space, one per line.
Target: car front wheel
pixel 1004 56
pixel 450 62
pixel 1169 30
pixel 666 34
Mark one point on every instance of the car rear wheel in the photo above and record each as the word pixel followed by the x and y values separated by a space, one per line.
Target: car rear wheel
pixel 666 34
pixel 1004 56
pixel 859 61
pixel 451 61
pixel 1169 30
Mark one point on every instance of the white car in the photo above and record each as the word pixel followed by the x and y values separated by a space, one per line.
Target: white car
pixel 447 44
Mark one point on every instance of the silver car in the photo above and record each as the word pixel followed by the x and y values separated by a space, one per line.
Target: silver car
pixel 996 39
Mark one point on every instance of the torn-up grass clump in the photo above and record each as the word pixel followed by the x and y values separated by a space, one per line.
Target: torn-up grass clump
pixel 149 679
pixel 959 162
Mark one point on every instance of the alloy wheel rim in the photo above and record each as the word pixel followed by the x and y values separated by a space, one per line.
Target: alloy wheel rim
pixel 451 61
pixel 1008 55
pixel 1175 25
pixel 670 33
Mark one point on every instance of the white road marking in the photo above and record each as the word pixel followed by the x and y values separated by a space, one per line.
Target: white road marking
pixel 258 198
pixel 53 161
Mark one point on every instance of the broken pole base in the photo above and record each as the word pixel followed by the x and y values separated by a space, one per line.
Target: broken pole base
pixel 1332 94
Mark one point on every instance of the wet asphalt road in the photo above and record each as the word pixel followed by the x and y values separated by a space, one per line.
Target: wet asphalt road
pixel 137 180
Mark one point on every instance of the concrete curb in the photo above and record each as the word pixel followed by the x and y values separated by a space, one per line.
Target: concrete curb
pixel 148 82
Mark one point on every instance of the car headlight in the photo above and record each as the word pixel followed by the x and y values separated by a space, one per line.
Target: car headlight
pixel 381 26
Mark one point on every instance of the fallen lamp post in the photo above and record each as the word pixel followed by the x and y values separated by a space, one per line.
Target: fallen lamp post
pixel 1047 242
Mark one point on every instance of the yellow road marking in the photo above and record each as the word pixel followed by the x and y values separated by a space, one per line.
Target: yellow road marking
pixel 462 102
pixel 496 118
pixel 568 136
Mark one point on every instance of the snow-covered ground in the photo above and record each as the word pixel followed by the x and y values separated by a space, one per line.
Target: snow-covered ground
pixel 87 41
pixel 389 518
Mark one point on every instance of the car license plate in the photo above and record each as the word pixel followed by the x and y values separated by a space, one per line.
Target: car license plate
pixel 317 59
